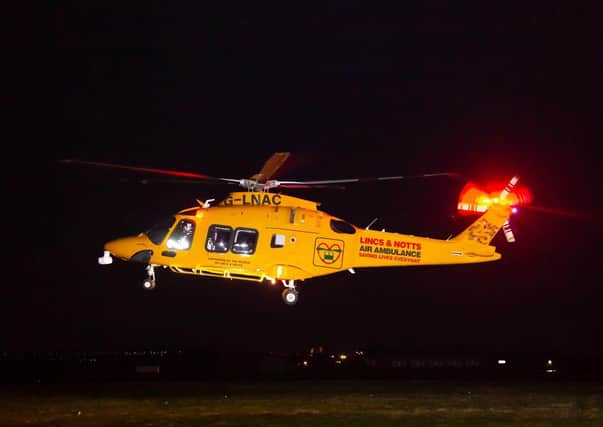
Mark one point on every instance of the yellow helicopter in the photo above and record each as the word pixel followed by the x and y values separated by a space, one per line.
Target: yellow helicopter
pixel 264 236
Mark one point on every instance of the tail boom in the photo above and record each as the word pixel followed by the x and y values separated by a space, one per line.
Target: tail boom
pixel 380 249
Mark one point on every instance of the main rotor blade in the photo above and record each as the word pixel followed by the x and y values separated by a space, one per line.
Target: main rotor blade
pixel 288 184
pixel 166 172
pixel 271 166
pixel 305 186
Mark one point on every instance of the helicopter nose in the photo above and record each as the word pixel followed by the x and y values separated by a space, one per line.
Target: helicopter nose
pixel 129 249
pixel 122 248
pixel 116 248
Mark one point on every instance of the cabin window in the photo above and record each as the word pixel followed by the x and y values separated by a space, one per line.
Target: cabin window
pixel 339 226
pixel 182 236
pixel 277 241
pixel 219 238
pixel 245 241
pixel 157 232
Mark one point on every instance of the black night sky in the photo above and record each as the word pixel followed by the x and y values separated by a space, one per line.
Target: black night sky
pixel 352 90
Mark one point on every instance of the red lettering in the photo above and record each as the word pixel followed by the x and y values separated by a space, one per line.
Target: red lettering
pixel 409 245
pixel 371 240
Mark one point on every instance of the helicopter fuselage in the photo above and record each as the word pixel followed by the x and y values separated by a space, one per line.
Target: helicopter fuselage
pixel 270 236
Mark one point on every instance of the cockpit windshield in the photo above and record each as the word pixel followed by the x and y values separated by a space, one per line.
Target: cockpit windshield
pixel 182 236
pixel 158 232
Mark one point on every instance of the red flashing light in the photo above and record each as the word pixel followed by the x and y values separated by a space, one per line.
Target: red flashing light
pixel 474 199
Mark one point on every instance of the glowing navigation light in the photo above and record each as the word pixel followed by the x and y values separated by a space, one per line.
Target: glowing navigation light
pixel 475 199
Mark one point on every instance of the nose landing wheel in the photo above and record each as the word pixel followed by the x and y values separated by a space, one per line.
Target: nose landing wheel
pixel 149 283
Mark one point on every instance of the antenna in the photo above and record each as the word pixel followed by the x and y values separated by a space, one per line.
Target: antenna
pixel 206 204
pixel 371 223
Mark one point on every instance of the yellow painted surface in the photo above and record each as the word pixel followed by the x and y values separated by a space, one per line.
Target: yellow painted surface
pixel 310 246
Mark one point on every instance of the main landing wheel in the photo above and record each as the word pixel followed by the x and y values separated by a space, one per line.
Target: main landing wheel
pixel 290 296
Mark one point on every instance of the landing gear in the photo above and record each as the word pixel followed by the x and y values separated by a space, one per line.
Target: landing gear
pixel 290 294
pixel 149 282
pixel 290 297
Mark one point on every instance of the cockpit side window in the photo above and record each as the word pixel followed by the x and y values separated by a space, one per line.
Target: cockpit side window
pixel 219 238
pixel 245 241
pixel 157 232
pixel 182 236
pixel 339 226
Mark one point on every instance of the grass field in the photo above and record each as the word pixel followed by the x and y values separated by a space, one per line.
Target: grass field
pixel 304 403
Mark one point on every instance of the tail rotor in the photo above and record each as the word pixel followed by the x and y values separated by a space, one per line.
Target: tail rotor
pixel 503 196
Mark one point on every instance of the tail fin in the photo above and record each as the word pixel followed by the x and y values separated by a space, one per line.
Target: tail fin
pixel 485 228
pixel 496 217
